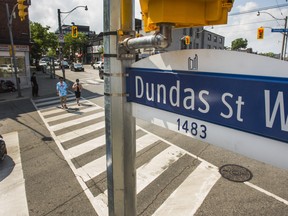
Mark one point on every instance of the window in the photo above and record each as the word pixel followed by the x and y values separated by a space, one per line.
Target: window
pixel 215 38
pixel 220 40
pixel 7 68
pixel 209 37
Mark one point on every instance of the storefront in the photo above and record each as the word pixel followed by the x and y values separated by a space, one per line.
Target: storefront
pixel 22 63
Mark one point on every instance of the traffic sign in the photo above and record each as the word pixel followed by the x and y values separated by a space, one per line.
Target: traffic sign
pixel 279 30
pixel 241 107
pixel 61 38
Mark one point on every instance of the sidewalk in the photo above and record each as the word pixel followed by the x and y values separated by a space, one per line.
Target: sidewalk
pixel 47 86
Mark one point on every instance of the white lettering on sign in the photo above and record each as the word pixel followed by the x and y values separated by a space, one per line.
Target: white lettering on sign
pixel 239 103
pixel 147 90
pixel 278 105
pixel 202 99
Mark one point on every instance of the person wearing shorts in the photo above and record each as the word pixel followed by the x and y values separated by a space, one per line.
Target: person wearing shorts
pixel 77 87
pixel 61 88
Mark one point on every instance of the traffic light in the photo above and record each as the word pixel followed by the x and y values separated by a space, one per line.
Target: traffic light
pixel 21 9
pixel 260 33
pixel 74 32
pixel 187 40
pixel 184 13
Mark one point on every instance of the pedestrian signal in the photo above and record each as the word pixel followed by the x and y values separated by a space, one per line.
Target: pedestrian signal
pixel 21 9
pixel 260 33
pixel 184 13
pixel 74 32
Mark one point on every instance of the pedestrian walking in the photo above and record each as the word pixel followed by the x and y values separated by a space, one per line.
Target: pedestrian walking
pixel 61 88
pixel 77 87
pixel 34 85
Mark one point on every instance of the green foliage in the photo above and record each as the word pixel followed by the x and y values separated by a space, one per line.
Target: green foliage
pixel 239 43
pixel 42 40
pixel 45 43
pixel 73 45
pixel 269 54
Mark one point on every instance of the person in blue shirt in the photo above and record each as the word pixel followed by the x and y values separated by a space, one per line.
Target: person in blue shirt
pixel 61 88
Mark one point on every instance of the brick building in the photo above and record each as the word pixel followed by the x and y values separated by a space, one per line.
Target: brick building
pixel 21 38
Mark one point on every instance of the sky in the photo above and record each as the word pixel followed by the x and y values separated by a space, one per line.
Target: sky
pixel 239 26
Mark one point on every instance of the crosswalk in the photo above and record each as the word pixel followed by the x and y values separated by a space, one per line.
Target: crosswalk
pixel 163 169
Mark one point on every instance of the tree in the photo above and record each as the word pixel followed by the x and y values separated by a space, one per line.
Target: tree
pixel 239 43
pixel 74 45
pixel 42 41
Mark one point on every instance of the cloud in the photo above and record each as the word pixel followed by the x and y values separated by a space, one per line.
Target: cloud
pixel 239 26
pixel 245 26
pixel 45 12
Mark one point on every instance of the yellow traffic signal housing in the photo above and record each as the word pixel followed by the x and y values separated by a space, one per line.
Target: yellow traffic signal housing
pixel 21 9
pixel 74 31
pixel 184 13
pixel 260 33
pixel 187 40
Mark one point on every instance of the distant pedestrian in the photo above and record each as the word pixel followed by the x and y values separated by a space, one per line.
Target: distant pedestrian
pixel 34 85
pixel 77 87
pixel 61 88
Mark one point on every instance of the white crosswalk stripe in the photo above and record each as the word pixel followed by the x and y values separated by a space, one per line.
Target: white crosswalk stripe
pixel 199 182
pixel 70 114
pixel 76 121
pixel 86 146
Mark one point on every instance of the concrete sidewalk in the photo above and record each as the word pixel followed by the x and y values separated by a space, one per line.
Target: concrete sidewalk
pixel 47 86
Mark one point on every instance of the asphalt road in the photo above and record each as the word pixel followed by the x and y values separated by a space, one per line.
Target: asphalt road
pixel 176 175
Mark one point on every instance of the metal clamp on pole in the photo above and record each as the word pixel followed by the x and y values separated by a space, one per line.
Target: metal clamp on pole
pixel 160 40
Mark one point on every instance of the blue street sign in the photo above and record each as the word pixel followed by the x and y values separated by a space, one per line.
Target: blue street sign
pixel 279 30
pixel 254 104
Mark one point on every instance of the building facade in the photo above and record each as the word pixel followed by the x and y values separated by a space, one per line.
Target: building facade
pixel 199 39
pixel 21 38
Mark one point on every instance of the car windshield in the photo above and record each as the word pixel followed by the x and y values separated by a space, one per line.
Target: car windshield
pixel 78 64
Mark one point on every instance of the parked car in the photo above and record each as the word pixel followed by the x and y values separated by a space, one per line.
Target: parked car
pixel 64 64
pixel 77 67
pixel 97 65
pixel 3 149
pixel 6 68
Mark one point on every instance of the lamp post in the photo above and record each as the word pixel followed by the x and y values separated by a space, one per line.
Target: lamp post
pixel 9 17
pixel 282 56
pixel 61 34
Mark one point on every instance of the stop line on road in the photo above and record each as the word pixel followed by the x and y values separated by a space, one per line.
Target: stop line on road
pixel 79 133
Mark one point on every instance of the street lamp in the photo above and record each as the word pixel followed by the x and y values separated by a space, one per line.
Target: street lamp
pixel 61 34
pixel 282 57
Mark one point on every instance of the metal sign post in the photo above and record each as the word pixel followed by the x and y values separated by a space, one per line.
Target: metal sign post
pixel 120 125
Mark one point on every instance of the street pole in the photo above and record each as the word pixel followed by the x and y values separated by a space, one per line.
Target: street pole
pixel 60 42
pixel 9 18
pixel 119 123
pixel 283 52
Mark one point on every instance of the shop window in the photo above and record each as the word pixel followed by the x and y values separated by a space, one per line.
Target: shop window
pixel 7 67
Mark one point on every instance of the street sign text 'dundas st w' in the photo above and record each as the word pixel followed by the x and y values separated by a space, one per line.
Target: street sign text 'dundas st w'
pixel 212 96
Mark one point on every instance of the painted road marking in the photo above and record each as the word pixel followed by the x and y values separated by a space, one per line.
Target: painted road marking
pixel 189 196
pixel 200 181
pixel 12 183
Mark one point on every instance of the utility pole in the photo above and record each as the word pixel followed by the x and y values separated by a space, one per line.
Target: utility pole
pixel 9 18
pixel 61 43
pixel 283 52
